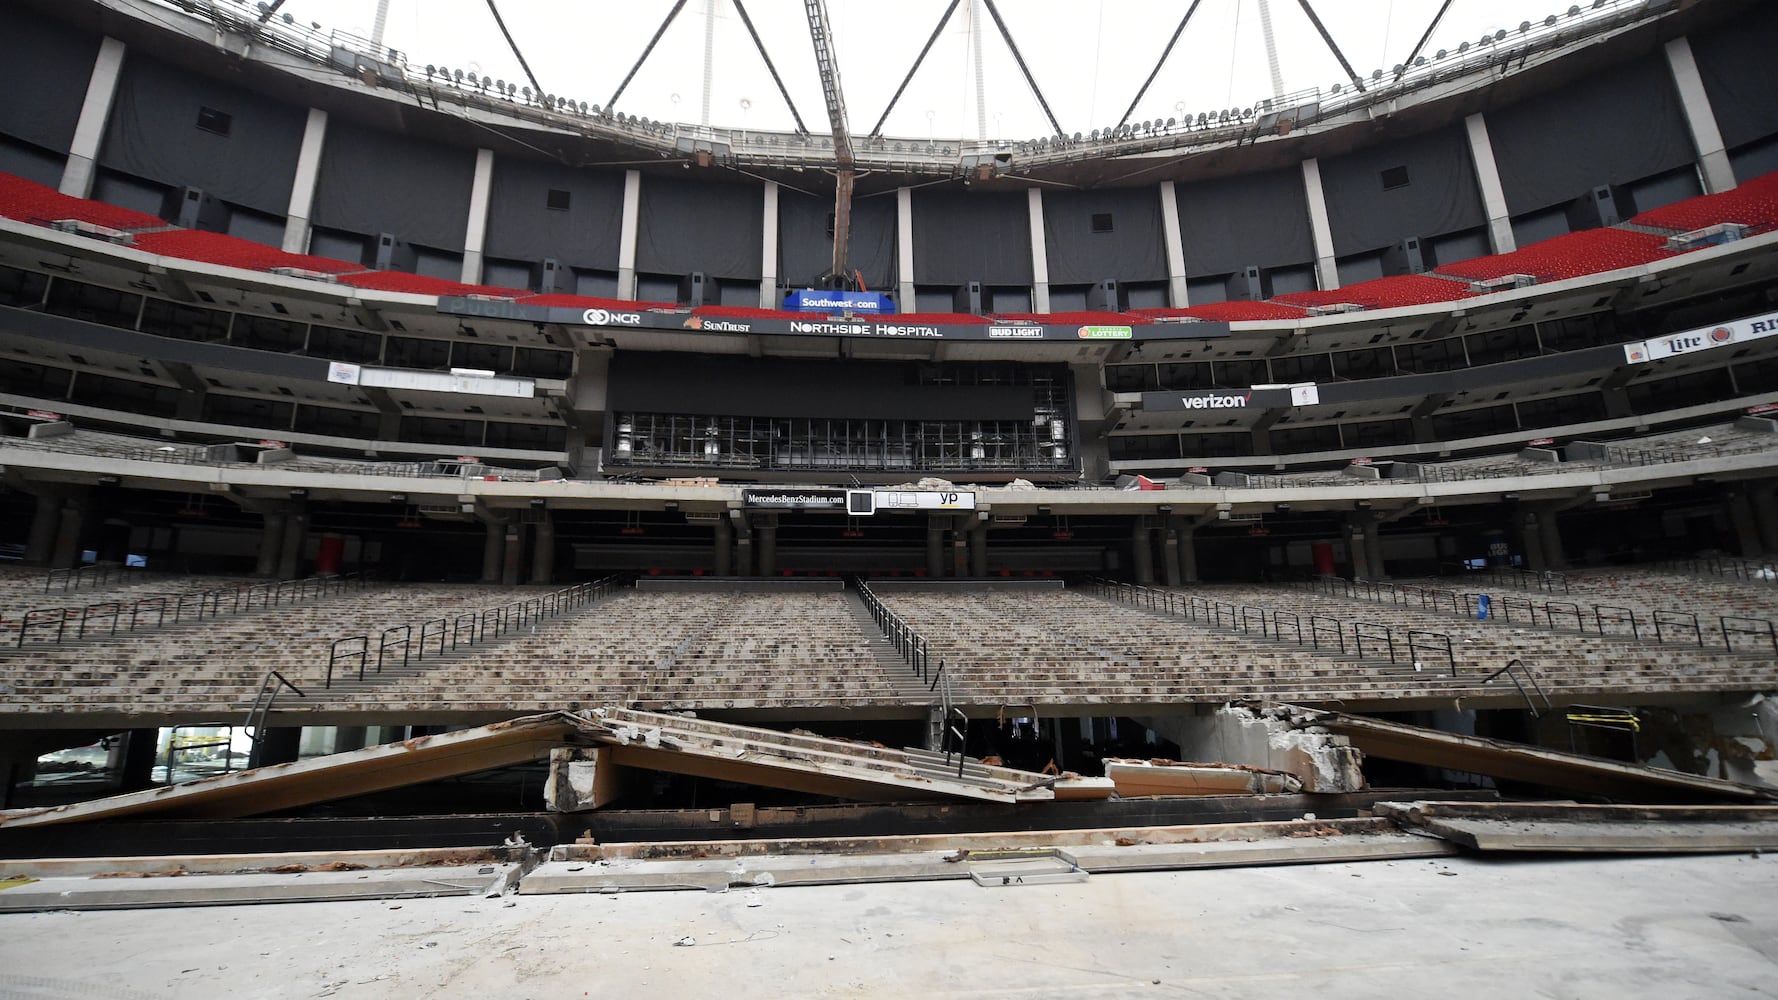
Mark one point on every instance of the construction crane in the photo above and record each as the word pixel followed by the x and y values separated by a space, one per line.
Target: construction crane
pixel 827 62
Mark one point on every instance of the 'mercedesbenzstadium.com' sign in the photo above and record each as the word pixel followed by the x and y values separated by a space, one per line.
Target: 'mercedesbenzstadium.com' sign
pixel 816 325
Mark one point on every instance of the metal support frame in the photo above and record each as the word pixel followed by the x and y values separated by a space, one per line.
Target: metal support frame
pixel 944 19
pixel 828 64
pixel 1331 47
pixel 741 8
pixel 1019 57
pixel 1408 63
pixel 1162 61
pixel 678 6
pixel 514 46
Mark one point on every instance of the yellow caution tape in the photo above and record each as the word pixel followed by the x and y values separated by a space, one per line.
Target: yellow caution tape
pixel 1629 722
pixel 13 883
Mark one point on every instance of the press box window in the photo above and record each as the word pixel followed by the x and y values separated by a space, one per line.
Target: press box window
pixel 1102 222
pixel 558 200
pixel 1394 177
pixel 212 120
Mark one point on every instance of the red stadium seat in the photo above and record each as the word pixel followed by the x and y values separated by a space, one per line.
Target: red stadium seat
pixel 1384 293
pixel 1080 318
pixel 1753 204
pixel 232 251
pixel 1590 251
pixel 935 319
pixel 561 301
pixel 419 284
pixel 1226 312
pixel 29 201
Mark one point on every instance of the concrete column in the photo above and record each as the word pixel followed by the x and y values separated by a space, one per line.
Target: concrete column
pixel 513 555
pixel 744 548
pixel 271 545
pixel 89 131
pixel 768 250
pixel 139 752
pixel 1745 523
pixel 349 738
pixel 1487 176
pixel 1327 271
pixel 296 532
pixel 475 233
pixel 725 547
pixel 935 548
pixel 45 525
pixel 543 550
pixel 1188 553
pixel 1530 539
pixel 1357 531
pixel 302 190
pixel 493 550
pixel 1765 515
pixel 1713 161
pixel 904 250
pixel 1175 243
pixel 1040 259
pixel 978 548
pixel 959 548
pixel 1142 546
pixel 1549 533
pixel 70 532
pixel 768 546
pixel 1170 555
pixel 281 746
pixel 626 240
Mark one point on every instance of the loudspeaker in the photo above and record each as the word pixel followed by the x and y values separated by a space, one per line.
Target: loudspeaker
pixel 550 277
pixel 1404 258
pixel 968 298
pixel 191 208
pixel 1104 296
pixel 1246 285
pixel 393 254
pixel 1602 206
pixel 692 289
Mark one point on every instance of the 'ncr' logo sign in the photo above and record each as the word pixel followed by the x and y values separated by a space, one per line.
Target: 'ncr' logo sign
pixel 1215 401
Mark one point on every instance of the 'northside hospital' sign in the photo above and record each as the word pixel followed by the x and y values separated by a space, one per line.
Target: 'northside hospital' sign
pixel 819 326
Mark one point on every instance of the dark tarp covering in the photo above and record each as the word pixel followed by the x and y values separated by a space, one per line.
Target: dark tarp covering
pixel 50 65
pixel 685 226
pixel 1260 218
pixel 961 236
pixel 522 226
pixel 1740 74
pixel 1440 196
pixel 805 251
pixel 1134 249
pixel 377 182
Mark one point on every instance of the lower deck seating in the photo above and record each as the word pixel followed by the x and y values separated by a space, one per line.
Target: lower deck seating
pixel 29 201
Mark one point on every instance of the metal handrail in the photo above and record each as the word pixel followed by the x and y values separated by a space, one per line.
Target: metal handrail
pixel 336 653
pixel 1619 616
pixel 404 641
pixel 1764 628
pixel 262 703
pixel 1513 668
pixel 1421 639
pixel 1359 635
pixel 1676 620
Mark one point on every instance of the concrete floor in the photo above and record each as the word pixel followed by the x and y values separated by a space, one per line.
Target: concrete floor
pixel 1632 927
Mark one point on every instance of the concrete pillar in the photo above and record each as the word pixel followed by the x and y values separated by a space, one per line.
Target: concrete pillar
pixel 512 555
pixel 46 523
pixel 296 532
pixel 1746 524
pixel 1530 539
pixel 744 548
pixel 302 190
pixel 70 532
pixel 1142 546
pixel 1694 102
pixel 475 232
pixel 1357 530
pixel 959 548
pixel 271 545
pixel 626 240
pixel 1327 270
pixel 139 753
pixel 1175 243
pixel 543 550
pixel 768 546
pixel 1170 555
pixel 978 548
pixel 1487 175
pixel 1188 551
pixel 725 547
pixel 1040 260
pixel 935 547
pixel 346 738
pixel 1549 534
pixel 493 550
pixel 768 250
pixel 1765 515
pixel 281 746
pixel 904 250
pixel 89 131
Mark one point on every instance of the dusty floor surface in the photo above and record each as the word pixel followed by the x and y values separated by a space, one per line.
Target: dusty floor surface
pixel 1635 927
